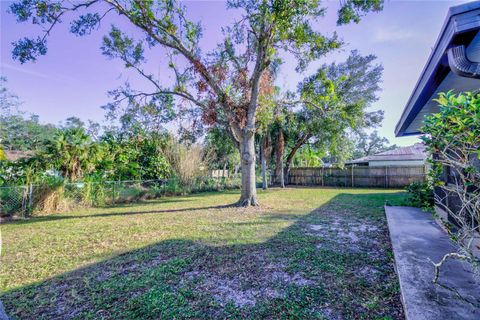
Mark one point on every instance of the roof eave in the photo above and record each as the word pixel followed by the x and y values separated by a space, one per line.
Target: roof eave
pixel 433 65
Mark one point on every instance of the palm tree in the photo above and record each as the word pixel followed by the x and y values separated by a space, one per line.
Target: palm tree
pixel 73 153
pixel 309 157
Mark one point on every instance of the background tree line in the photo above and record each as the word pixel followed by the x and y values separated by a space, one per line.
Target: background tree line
pixel 75 151
pixel 230 86
pixel 137 146
pixel 332 123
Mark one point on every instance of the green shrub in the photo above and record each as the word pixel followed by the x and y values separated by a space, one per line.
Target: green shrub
pixel 452 137
pixel 421 194
pixel 94 192
pixel 173 187
pixel 131 193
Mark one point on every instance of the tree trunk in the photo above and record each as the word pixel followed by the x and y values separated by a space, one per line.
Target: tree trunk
pixel 263 155
pixel 288 164
pixel 279 160
pixel 300 142
pixel 247 153
pixel 264 174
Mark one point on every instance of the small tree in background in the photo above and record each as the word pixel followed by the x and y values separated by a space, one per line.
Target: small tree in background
pixel 222 150
pixel 73 153
pixel 223 87
pixel 309 156
pixel 453 139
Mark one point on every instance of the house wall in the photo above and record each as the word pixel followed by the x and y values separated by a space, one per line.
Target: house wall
pixel 398 163
pixel 448 200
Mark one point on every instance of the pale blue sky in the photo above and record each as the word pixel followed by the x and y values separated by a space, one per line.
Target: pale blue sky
pixel 74 77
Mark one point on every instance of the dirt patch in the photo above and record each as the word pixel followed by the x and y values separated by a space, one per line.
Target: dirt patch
pixel 287 278
pixel 368 273
pixel 226 290
pixel 268 281
pixel 351 236
pixel 364 228
pixel 316 227
pixel 128 267
pixel 343 230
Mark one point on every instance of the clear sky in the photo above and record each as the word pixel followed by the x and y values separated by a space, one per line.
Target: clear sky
pixel 74 77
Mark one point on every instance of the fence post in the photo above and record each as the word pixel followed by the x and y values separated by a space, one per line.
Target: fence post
pixel 30 197
pixel 353 182
pixel 323 174
pixel 113 192
pixel 386 177
pixel 24 201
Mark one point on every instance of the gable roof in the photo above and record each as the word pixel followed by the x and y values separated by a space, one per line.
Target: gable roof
pixel 414 152
pixel 461 27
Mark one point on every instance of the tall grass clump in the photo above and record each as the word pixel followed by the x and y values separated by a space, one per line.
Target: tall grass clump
pixel 188 163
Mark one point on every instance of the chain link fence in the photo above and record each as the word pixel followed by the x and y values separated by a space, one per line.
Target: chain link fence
pixel 23 201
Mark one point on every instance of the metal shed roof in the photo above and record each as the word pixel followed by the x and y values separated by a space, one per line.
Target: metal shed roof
pixel 14 155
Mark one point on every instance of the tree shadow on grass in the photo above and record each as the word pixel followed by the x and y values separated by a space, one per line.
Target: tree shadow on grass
pixel 307 270
pixel 111 214
pixel 178 198
pixel 148 203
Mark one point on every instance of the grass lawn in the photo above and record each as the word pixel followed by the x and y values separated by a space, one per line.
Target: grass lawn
pixel 305 253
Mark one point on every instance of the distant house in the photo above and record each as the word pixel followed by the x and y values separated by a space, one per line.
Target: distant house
pixel 404 156
pixel 15 155
pixel 454 64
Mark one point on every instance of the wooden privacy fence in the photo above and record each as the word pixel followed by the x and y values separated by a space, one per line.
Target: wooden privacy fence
pixel 379 177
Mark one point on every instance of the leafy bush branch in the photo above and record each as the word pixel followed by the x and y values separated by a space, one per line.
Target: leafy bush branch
pixel 452 137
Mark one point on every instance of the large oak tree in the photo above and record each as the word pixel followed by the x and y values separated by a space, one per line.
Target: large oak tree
pixel 334 101
pixel 222 87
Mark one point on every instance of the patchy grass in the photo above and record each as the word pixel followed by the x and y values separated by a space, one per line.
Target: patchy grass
pixel 305 253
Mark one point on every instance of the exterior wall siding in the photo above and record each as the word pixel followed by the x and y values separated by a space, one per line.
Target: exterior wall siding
pixel 450 200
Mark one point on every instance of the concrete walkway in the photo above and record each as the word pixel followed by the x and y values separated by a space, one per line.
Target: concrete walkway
pixel 416 237
pixel 3 315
